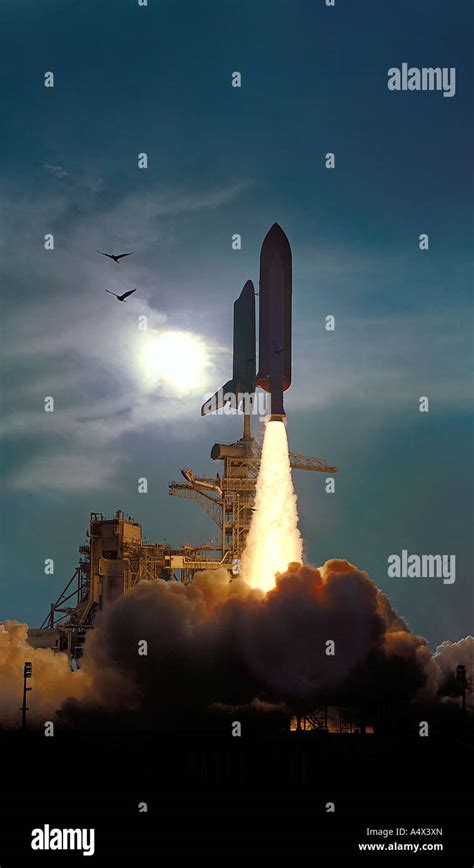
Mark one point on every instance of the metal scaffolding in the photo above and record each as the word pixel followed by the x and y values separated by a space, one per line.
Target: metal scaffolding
pixel 229 499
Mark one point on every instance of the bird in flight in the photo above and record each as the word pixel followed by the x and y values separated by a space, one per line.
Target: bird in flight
pixel 115 256
pixel 121 297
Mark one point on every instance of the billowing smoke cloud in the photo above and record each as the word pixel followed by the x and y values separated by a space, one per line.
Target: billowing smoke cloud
pixel 52 678
pixel 215 642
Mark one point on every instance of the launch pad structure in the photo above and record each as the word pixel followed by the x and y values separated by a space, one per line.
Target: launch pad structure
pixel 116 557
pixel 229 498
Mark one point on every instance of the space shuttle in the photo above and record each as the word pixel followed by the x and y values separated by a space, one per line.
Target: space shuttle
pixel 274 353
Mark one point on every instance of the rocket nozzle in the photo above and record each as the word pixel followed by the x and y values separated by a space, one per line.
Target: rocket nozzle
pixel 277 411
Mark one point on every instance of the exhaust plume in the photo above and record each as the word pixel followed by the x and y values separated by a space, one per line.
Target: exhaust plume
pixel 218 643
pixel 273 540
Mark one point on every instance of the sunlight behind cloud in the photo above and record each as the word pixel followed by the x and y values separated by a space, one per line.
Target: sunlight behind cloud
pixel 176 359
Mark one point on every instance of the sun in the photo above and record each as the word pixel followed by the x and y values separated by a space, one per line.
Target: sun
pixel 176 359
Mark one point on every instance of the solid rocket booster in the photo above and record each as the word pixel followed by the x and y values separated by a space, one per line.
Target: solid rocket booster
pixel 243 369
pixel 274 363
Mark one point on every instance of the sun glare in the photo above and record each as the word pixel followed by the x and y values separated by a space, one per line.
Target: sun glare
pixel 174 359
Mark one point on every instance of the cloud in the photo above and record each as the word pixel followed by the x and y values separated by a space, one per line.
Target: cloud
pixel 57 171
pixel 77 344
pixel 383 361
pixel 69 471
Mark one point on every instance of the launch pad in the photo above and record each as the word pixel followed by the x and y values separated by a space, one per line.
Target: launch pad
pixel 116 556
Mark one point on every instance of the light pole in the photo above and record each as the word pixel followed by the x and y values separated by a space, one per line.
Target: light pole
pixel 462 683
pixel 26 674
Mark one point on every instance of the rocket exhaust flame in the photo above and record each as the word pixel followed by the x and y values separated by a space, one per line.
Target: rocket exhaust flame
pixel 273 540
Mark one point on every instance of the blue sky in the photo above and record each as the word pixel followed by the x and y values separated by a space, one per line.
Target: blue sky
pixel 225 160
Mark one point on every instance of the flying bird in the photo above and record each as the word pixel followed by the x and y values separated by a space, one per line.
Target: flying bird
pixel 121 297
pixel 115 256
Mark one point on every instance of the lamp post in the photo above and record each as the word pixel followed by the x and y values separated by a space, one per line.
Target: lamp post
pixel 27 669
pixel 462 683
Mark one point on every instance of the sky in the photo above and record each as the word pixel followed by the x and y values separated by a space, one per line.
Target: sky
pixel 225 160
